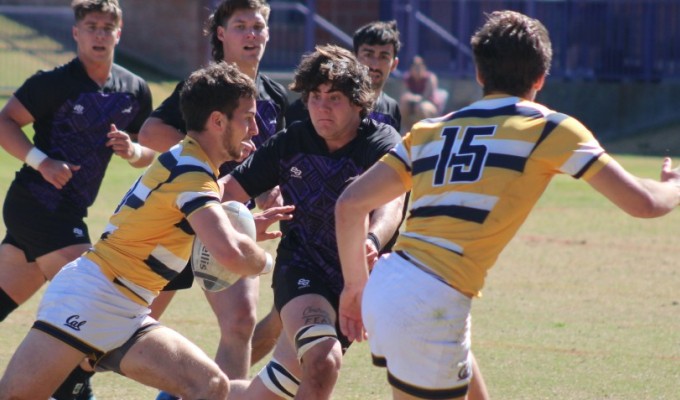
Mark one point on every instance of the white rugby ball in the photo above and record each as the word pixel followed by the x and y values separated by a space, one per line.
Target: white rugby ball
pixel 211 275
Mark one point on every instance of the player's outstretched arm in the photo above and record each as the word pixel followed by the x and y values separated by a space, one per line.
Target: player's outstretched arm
pixel 376 187
pixel 639 197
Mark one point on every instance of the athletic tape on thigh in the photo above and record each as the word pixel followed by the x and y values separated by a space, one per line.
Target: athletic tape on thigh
pixel 311 335
pixel 279 380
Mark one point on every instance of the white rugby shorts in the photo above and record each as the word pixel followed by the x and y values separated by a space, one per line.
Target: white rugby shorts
pixel 418 327
pixel 82 303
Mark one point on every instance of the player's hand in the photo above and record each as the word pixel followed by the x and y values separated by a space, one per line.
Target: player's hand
pixel 668 173
pixel 120 143
pixel 351 323
pixel 266 218
pixel 372 254
pixel 57 172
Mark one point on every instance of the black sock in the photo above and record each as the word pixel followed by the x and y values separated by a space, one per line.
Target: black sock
pixel 76 384
pixel 7 305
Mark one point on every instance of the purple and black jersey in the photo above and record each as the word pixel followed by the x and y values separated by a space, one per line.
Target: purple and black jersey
pixel 271 107
pixel 385 110
pixel 311 178
pixel 72 117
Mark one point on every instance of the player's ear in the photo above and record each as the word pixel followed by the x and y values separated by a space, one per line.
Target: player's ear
pixel 220 33
pixel 119 30
pixel 394 64
pixel 538 85
pixel 216 119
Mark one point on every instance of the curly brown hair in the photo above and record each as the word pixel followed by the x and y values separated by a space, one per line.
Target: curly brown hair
pixel 337 66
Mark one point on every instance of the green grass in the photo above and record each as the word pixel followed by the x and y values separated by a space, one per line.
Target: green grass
pixel 583 304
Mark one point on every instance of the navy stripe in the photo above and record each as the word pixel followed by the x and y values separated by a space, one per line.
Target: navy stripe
pixel 283 371
pixel 422 393
pixel 515 163
pixel 460 212
pixel 167 160
pixel 159 268
pixel 424 165
pixel 183 169
pixel 554 120
pixel 509 110
pixel 118 282
pixel 68 339
pixel 379 361
pixel 197 203
pixel 185 227
pixel 585 168
pixel 394 153
pixel 134 202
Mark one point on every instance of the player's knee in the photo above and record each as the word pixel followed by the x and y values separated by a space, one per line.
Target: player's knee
pixel 279 380
pixel 316 349
pixel 7 305
pixel 215 386
pixel 239 326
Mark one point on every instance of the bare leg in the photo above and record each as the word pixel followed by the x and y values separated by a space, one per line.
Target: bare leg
pixel 38 367
pixel 267 333
pixel 477 389
pixel 20 279
pixel 166 360
pixel 236 311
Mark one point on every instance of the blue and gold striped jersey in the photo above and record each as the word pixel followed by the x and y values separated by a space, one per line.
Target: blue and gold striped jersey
pixel 475 175
pixel 148 239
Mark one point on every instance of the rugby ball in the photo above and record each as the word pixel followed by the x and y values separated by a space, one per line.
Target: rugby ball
pixel 211 275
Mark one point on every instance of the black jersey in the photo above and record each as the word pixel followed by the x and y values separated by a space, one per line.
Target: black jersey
pixel 312 179
pixel 72 117
pixel 272 104
pixel 385 110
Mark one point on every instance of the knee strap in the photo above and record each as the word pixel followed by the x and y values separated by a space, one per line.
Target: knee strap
pixel 7 305
pixel 279 380
pixel 310 335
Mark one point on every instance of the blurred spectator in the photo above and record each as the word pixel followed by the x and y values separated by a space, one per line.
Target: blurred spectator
pixel 422 97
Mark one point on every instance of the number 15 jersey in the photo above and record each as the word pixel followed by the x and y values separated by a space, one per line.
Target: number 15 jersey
pixel 475 175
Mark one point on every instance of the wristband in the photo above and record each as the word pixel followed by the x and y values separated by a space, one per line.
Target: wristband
pixel 373 238
pixel 136 153
pixel 268 264
pixel 35 157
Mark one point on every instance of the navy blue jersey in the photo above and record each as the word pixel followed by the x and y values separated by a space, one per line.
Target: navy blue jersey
pixel 385 110
pixel 72 118
pixel 311 178
pixel 272 104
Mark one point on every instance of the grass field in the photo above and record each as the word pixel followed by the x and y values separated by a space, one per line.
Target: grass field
pixel 584 304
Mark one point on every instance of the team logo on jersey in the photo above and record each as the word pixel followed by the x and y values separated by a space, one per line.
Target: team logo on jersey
pixel 295 172
pixel 78 109
pixel 77 232
pixel 464 371
pixel 73 323
pixel 303 283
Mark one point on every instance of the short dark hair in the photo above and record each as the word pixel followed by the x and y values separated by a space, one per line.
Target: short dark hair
pixel 83 7
pixel 512 51
pixel 217 87
pixel 377 33
pixel 339 67
pixel 222 13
